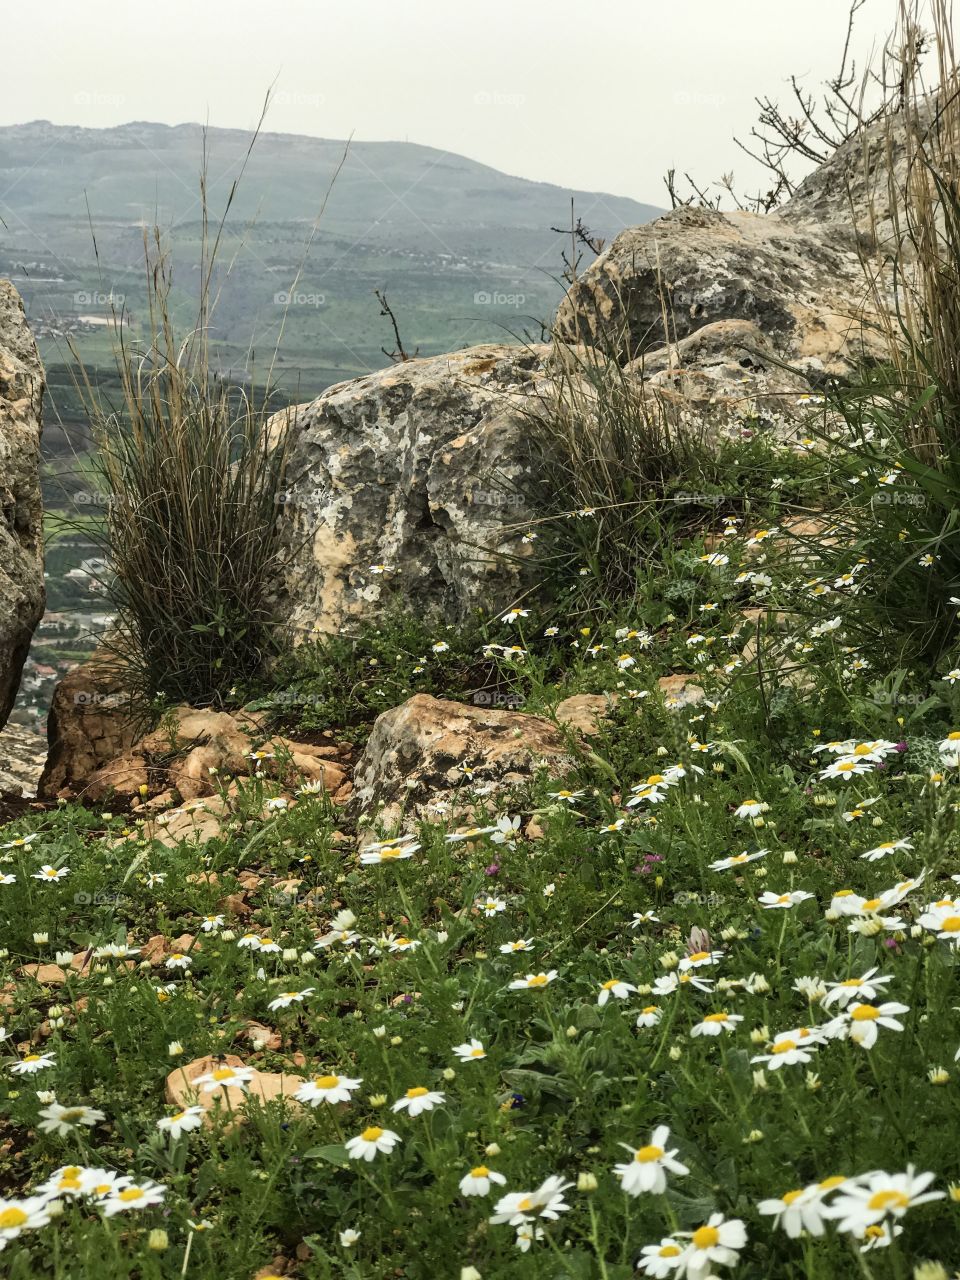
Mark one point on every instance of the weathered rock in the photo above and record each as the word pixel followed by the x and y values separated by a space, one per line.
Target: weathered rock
pixel 88 727
pixel 23 754
pixel 421 753
pixel 265 1086
pixel 853 194
pixel 413 468
pixel 802 289
pixel 21 530
pixel 680 690
pixel 585 712
pixel 726 374
pixel 97 753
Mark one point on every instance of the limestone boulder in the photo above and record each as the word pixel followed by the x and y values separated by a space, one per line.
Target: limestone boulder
pixel 89 726
pixel 423 756
pixel 803 290
pixel 22 593
pixel 406 486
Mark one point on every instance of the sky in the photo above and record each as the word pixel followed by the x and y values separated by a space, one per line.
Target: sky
pixel 601 95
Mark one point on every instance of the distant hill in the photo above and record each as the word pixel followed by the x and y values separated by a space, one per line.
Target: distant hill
pixel 465 253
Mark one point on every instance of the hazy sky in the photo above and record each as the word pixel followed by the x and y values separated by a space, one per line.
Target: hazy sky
pixel 596 94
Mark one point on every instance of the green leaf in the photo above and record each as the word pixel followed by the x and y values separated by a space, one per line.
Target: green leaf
pixel 335 1153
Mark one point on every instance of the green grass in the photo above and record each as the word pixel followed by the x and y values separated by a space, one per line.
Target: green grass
pixel 565 1080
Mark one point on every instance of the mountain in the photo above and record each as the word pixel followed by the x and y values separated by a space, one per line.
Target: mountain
pixel 465 253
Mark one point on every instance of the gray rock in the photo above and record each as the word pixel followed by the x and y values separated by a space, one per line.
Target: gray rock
pixel 804 291
pixel 422 468
pixel 22 593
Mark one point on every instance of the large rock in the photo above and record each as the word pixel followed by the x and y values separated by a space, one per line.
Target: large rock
pixel 21 529
pixel 423 755
pixel 856 195
pixel 803 290
pixel 89 726
pixel 422 468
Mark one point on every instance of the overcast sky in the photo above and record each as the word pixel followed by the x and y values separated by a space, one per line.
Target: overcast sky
pixel 596 94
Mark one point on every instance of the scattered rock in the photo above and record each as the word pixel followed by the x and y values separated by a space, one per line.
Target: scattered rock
pixel 265 1085
pixel 416 755
pixel 680 691
pixel 585 712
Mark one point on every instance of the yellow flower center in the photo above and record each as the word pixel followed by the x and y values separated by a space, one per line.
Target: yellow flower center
pixel 327 1082
pixel 481 1171
pixel 669 1251
pixel 371 1134
pixel 862 749
pixel 871 904
pixel 829 1184
pixel 716 1017
pixel 852 982
pixel 884 1200
pixel 11 1218
pixel 784 1046
pixel 418 1092
pixel 705 1237
pixel 874 1233
pixel 608 986
pixel 539 981
pixel 951 924
pixel 700 955
pixel 651 1008
pixel 865 1013
pixel 32 1057
pixel 478 1053
pixel 223 1073
pixel 647 1155
pixel 525 1204
pixel 129 1194
pixel 402 942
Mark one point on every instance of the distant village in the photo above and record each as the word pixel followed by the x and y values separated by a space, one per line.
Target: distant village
pixel 62 640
